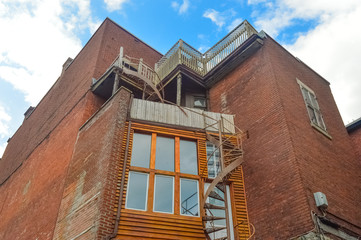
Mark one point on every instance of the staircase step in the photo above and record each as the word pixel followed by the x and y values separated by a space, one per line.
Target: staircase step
pixel 221 187
pixel 212 218
pixel 214 229
pixel 215 195
pixel 211 206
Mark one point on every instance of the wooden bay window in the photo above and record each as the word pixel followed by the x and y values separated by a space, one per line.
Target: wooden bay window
pixel 163 175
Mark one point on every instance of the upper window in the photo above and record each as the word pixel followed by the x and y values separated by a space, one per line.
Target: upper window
pixel 312 106
pixel 200 102
pixel 165 171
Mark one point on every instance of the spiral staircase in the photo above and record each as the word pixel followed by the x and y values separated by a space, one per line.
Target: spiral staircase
pixel 215 203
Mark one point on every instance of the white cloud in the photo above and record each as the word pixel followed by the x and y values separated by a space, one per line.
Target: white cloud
pixel 4 129
pixel 203 48
pixel 218 18
pixel 114 5
pixel 40 36
pixel 331 48
pixel 4 121
pixel 180 8
pixel 2 148
pixel 280 14
pixel 234 24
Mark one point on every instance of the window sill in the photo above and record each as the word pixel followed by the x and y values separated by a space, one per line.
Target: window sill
pixel 321 130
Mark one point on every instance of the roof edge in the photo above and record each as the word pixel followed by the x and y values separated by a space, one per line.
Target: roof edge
pixel 354 125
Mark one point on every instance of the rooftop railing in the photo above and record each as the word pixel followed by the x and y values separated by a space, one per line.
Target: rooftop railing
pixel 183 53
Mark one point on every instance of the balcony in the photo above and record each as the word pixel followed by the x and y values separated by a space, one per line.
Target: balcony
pixel 201 64
pixel 200 71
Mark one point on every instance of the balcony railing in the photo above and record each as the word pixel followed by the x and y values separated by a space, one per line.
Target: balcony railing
pixel 183 53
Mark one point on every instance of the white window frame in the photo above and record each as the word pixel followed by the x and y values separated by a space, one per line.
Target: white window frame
pixel 180 197
pixel 155 187
pixel 146 195
pixel 319 123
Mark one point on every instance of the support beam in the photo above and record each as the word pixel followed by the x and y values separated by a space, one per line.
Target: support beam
pixel 179 89
pixel 120 60
pixel 116 83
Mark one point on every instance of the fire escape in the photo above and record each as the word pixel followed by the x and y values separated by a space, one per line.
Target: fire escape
pixel 243 41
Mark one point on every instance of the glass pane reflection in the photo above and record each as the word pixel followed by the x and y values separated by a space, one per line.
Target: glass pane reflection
pixel 141 150
pixel 189 197
pixel 164 159
pixel 163 194
pixel 188 157
pixel 137 191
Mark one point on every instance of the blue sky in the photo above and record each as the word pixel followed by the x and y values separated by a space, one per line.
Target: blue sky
pixel 39 35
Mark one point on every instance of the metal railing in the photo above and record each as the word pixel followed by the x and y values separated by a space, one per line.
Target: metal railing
pixel 183 53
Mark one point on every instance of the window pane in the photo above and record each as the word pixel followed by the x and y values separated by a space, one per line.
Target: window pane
pixel 314 101
pixel 199 102
pixel 320 120
pixel 188 157
pixel 137 191
pixel 312 115
pixel 141 150
pixel 189 197
pixel 164 159
pixel 305 95
pixel 213 160
pixel 163 194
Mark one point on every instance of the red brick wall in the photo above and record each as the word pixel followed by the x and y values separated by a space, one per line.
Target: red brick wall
pixel 356 141
pixel 116 37
pixel 42 147
pixel 326 165
pixel 87 207
pixel 64 94
pixel 31 197
pixel 281 166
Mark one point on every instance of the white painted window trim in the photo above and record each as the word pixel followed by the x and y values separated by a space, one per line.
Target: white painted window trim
pixel 316 126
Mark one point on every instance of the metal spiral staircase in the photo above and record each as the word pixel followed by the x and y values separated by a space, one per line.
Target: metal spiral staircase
pixel 216 221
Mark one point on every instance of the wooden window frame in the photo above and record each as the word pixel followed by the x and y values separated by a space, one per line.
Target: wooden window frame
pixel 177 175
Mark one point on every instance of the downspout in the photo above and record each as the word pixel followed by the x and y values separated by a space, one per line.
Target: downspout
pixel 120 202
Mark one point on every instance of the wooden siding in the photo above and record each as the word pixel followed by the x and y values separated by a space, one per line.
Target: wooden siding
pixel 174 115
pixel 136 224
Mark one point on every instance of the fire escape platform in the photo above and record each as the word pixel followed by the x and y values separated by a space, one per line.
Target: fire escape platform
pixel 167 114
pixel 209 67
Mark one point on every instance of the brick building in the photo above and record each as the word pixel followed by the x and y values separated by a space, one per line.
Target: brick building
pixel 229 144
